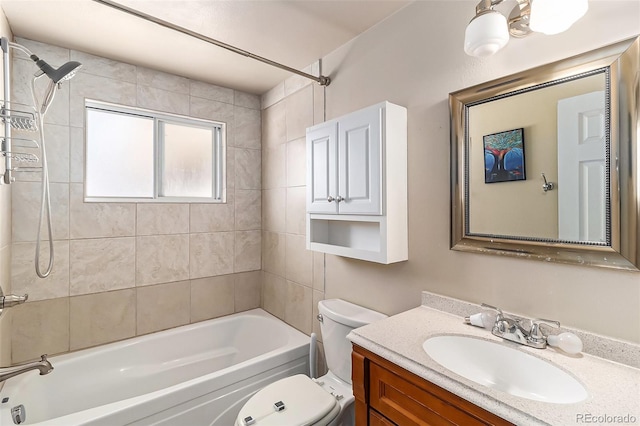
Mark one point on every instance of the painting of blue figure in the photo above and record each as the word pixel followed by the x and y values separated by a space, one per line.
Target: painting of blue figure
pixel 504 156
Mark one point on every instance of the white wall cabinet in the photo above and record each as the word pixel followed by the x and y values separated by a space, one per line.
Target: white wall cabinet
pixel 357 185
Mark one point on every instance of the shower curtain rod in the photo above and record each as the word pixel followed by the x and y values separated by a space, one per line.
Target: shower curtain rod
pixel 322 80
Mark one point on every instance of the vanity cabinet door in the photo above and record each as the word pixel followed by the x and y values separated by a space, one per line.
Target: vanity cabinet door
pixel 388 394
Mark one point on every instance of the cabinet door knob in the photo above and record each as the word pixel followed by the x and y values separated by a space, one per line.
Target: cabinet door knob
pixel 330 199
pixel 339 199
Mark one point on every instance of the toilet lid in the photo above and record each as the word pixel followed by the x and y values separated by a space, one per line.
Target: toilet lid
pixel 305 403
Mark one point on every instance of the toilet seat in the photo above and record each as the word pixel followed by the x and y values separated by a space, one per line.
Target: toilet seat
pixel 305 403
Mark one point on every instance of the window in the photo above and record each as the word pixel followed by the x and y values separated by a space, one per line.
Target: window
pixel 140 155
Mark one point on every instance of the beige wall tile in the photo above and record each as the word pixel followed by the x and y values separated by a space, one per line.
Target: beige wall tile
pixel 212 110
pixel 211 254
pixel 274 173
pixel 274 129
pixel 274 294
pixel 248 290
pixel 299 261
pixel 297 162
pixel 57 147
pixel 273 252
pixel 54 54
pixel 162 259
pixel 26 201
pixel 95 220
pixel 101 265
pixel 162 80
pixel 273 209
pixel 296 210
pixel 297 82
pixel 163 306
pixel 213 217
pixel 298 307
pixel 162 100
pixel 248 169
pixel 248 209
pixel 21 76
pixel 247 128
pixel 23 275
pixel 231 168
pixel 273 96
pixel 246 100
pixel 212 297
pixel 157 219
pixel 248 249
pixel 299 108
pixel 86 86
pixel 318 271
pixel 212 92
pixel 104 67
pixel 101 318
pixel 76 155
pixel 44 329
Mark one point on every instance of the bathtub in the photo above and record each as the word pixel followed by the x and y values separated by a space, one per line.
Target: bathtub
pixel 199 374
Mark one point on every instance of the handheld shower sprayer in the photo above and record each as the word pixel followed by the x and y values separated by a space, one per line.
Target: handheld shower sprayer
pixel 56 77
pixel 63 73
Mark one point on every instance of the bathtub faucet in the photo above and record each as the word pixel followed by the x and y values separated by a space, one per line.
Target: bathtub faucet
pixel 43 365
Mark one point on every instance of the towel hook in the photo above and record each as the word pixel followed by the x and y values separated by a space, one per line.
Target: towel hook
pixel 548 186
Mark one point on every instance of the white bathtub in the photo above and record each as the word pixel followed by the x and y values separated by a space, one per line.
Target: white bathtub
pixel 199 374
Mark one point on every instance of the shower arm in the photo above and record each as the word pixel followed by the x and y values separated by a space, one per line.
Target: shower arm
pixel 321 79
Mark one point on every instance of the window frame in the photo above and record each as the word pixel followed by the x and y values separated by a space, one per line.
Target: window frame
pixel 219 153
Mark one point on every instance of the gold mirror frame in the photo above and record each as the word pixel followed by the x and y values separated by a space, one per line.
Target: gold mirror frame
pixel 621 63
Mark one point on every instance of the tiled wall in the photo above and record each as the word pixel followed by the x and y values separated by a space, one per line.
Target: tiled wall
pixel 125 269
pixel 293 277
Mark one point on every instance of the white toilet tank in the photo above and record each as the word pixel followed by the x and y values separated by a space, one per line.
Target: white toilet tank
pixel 338 319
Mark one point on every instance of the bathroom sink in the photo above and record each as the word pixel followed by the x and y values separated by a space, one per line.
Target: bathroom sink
pixel 505 369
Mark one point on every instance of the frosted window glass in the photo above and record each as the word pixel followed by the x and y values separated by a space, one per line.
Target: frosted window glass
pixel 188 161
pixel 119 155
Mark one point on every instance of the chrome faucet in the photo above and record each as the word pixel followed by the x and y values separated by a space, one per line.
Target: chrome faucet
pixel 43 365
pixel 520 330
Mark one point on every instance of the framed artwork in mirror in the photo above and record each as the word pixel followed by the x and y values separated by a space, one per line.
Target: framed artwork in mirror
pixel 504 156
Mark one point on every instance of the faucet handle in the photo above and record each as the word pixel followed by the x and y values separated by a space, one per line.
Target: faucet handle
pixel 498 310
pixel 536 334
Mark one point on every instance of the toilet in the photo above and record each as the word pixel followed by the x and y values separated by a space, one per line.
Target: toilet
pixel 327 400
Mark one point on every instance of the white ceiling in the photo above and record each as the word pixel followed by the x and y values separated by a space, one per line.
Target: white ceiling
pixel 293 32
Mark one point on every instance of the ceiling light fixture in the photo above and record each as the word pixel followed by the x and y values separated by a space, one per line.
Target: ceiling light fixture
pixel 489 30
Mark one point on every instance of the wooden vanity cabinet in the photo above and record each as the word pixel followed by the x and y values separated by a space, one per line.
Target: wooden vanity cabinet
pixel 386 395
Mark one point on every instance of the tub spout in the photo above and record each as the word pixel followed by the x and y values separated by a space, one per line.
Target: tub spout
pixel 43 366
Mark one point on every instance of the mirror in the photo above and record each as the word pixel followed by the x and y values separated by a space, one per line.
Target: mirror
pixel 544 162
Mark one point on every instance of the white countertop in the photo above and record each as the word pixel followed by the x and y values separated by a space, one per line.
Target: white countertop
pixel 614 388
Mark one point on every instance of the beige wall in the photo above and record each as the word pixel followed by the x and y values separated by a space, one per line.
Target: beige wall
pixel 125 269
pixel 5 233
pixel 415 58
pixel 521 208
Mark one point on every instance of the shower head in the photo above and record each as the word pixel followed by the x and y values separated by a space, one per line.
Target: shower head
pixel 63 73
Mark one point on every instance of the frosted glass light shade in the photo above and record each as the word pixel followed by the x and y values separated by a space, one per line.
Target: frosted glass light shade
pixel 486 34
pixel 553 16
